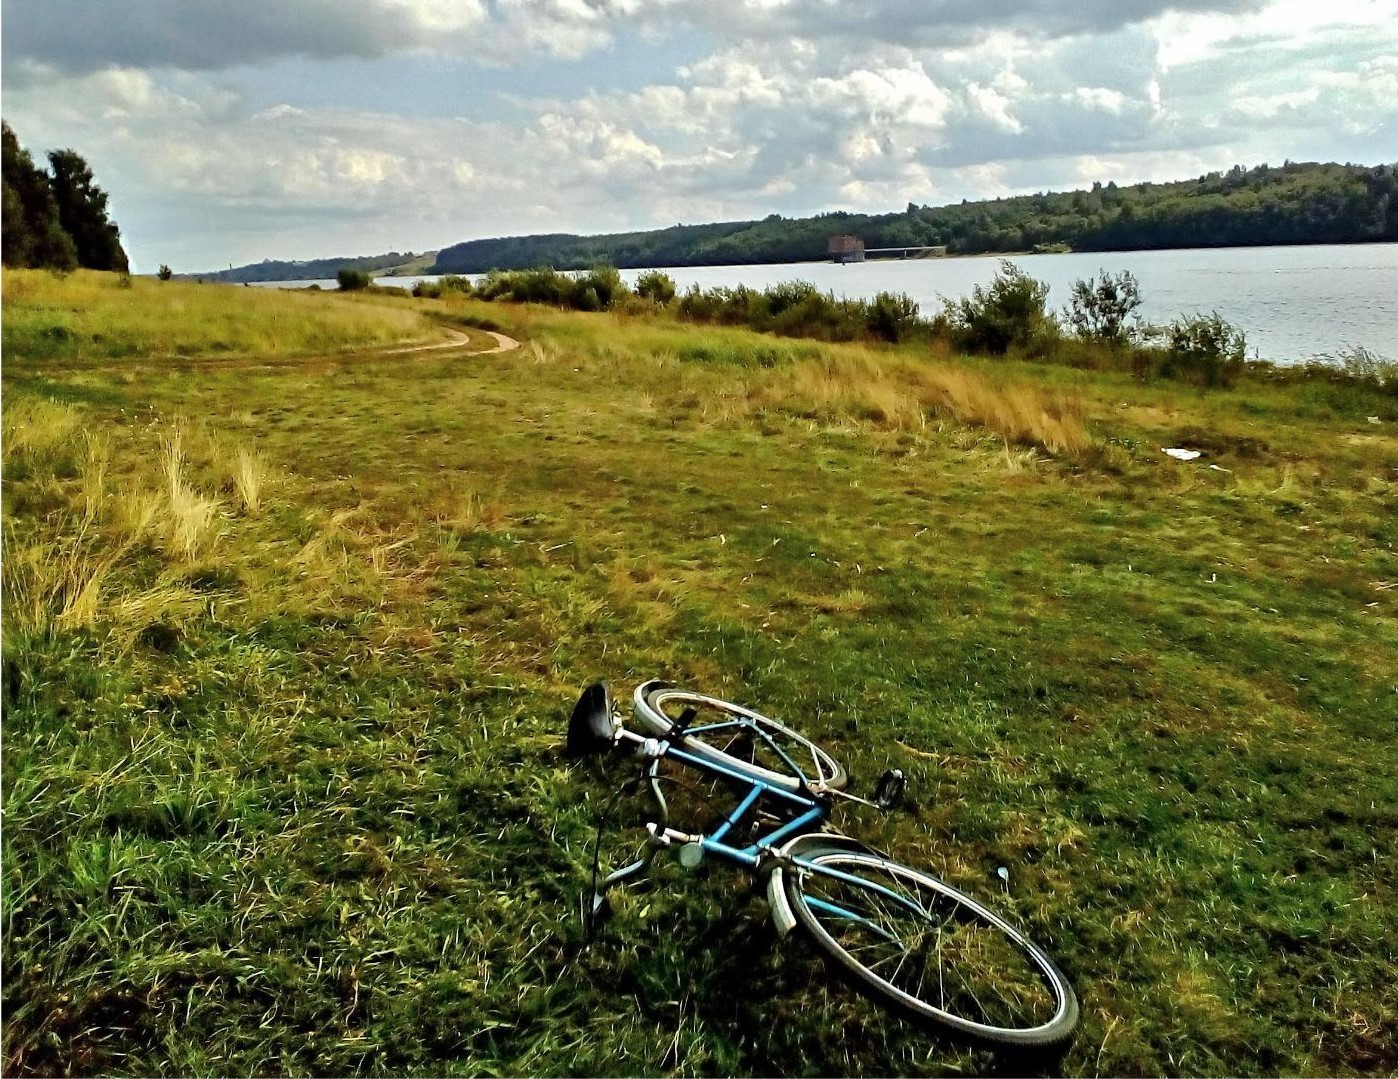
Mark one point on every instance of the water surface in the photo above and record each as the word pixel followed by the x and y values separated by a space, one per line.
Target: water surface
pixel 1294 303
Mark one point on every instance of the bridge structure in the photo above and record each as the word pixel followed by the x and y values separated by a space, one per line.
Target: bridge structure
pixel 935 251
pixel 851 249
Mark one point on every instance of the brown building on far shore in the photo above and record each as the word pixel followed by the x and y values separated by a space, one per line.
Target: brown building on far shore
pixel 845 249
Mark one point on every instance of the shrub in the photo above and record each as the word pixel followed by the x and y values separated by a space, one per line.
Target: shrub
pixel 165 273
pixel 351 280
pixel 788 294
pixel 1010 313
pixel 545 285
pixel 1353 366
pixel 1204 347
pixel 698 305
pixel 891 316
pixel 598 289
pixel 585 298
pixel 656 286
pixel 1359 364
pixel 435 290
pixel 799 309
pixel 1100 307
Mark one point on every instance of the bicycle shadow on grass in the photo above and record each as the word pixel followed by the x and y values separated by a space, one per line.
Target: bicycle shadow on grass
pixel 703 960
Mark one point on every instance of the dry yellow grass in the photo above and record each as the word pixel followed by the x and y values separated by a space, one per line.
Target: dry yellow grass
pixel 33 425
pixel 249 480
pixel 898 395
pixel 468 509
pixel 65 581
pixel 191 519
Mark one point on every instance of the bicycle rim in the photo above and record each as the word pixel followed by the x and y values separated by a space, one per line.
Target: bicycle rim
pixel 738 738
pixel 932 952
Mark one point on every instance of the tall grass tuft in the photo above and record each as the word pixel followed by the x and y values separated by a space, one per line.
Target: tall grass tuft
pixel 94 474
pixel 191 518
pixel 55 583
pixel 249 479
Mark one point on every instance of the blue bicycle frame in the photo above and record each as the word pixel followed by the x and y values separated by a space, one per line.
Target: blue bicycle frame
pixel 808 811
pixel 793 844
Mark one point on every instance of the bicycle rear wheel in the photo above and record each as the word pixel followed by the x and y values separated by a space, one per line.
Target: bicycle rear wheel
pixel 932 952
pixel 737 738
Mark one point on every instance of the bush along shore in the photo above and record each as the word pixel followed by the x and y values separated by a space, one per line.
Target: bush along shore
pixel 291 638
pixel 1099 328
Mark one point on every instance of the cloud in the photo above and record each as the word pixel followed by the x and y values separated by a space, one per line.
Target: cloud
pixel 79 36
pixel 797 106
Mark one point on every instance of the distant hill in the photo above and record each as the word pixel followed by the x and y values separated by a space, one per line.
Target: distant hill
pixel 1291 204
pixel 1295 203
pixel 390 265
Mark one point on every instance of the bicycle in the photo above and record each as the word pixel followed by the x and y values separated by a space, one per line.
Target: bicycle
pixel 903 937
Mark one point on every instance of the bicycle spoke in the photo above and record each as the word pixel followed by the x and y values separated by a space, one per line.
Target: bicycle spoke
pixel 933 947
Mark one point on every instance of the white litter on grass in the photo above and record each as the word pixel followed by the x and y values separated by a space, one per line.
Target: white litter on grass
pixel 1181 455
pixel 1216 468
pixel 1374 419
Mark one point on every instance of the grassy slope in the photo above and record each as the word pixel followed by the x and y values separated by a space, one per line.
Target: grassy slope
pixel 283 789
pixel 89 315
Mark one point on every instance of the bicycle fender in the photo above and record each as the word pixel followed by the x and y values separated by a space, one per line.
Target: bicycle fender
pixel 783 917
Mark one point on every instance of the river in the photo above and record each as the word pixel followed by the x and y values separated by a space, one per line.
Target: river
pixel 1294 303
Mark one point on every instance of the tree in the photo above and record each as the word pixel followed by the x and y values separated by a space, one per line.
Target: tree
pixel 892 316
pixel 1009 313
pixel 82 210
pixel 1101 306
pixel 656 286
pixel 33 233
pixel 165 272
pixel 352 280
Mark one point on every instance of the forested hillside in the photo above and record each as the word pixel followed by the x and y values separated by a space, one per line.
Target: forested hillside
pixel 1290 204
pixel 316 269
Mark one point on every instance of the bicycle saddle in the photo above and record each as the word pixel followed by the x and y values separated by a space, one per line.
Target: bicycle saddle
pixel 591 728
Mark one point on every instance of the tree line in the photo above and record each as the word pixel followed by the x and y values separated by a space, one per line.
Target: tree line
pixel 56 218
pixel 311 269
pixel 1295 203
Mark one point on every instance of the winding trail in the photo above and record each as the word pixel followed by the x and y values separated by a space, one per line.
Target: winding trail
pixel 456 339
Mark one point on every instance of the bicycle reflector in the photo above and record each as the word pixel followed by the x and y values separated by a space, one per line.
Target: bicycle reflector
pixel 591 728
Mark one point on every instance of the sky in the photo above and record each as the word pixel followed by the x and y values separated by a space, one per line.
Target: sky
pixel 228 133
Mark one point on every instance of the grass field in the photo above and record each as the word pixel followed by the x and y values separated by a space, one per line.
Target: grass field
pixel 87 316
pixel 289 649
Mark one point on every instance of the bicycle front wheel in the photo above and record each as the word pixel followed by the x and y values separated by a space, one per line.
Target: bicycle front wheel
pixel 737 738
pixel 930 951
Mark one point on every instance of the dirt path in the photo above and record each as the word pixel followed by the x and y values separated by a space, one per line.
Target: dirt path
pixel 503 344
pixel 456 339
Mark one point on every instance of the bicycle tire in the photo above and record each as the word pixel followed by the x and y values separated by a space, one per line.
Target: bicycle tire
pixel 654 703
pixel 884 944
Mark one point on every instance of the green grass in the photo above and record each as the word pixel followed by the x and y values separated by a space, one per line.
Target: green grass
pixel 89 316
pixel 290 798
